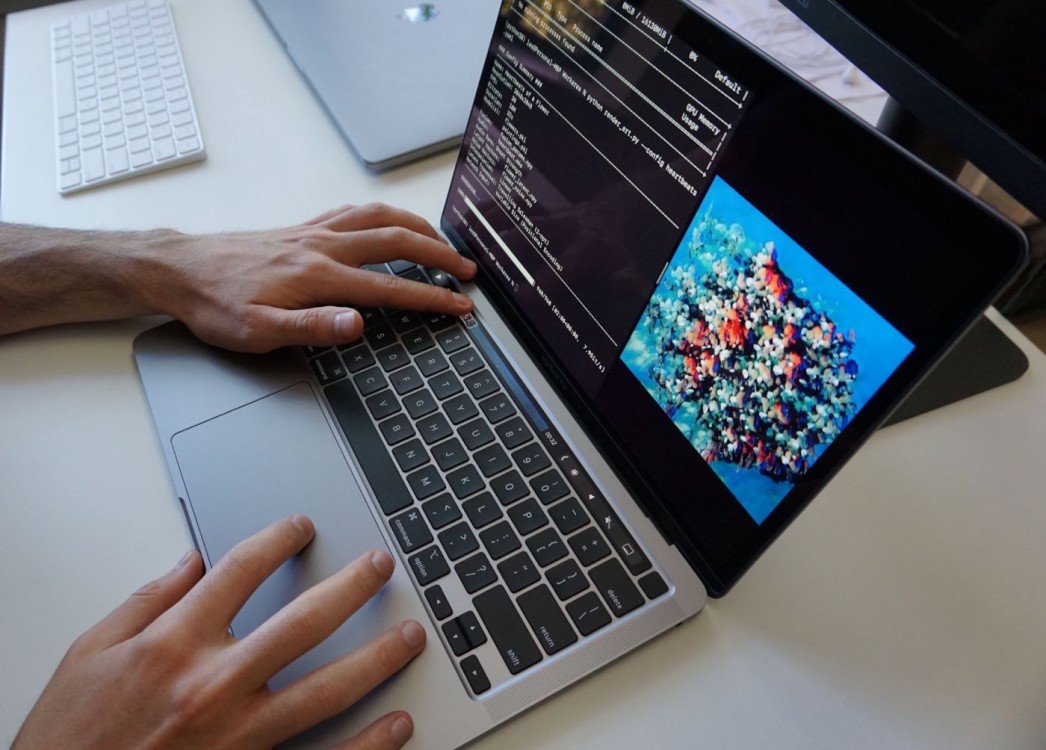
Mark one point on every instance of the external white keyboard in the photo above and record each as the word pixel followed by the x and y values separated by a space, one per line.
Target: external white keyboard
pixel 122 101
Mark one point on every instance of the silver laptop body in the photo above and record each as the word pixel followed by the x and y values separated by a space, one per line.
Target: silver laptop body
pixel 396 76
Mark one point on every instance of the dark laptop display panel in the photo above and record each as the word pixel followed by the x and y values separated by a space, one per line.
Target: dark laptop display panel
pixel 733 279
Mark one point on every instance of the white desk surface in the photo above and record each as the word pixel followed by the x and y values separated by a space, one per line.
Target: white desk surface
pixel 905 608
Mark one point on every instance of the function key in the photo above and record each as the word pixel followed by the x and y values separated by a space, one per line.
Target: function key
pixel 402 266
pixel 620 538
pixel 439 277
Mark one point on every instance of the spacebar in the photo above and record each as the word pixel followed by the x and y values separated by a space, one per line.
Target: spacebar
pixel 368 448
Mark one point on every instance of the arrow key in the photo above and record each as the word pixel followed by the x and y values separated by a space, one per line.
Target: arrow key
pixel 475 675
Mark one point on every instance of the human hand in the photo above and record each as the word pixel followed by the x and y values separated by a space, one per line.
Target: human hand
pixel 256 291
pixel 163 670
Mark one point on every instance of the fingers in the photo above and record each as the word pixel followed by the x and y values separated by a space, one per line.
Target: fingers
pixel 390 732
pixel 223 591
pixel 336 686
pixel 380 245
pixel 144 605
pixel 313 616
pixel 375 216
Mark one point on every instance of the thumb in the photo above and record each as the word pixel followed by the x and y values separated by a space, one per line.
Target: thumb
pixel 144 605
pixel 314 326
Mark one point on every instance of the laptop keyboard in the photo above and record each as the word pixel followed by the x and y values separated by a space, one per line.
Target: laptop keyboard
pixel 518 554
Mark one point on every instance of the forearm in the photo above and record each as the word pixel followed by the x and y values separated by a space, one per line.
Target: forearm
pixel 50 276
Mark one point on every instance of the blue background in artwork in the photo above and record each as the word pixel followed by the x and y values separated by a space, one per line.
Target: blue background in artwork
pixel 878 350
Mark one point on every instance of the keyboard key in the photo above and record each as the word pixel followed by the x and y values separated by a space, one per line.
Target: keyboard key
pixel 497 407
pixel 492 460
pixel 449 454
pixel 458 541
pixel 410 455
pixel 589 546
pixel 469 624
pixel 393 357
pixel 410 530
pixel 455 638
pixel 402 320
pixel 396 429
pixel 406 380
pixel 466 361
pixel 568 515
pixel 653 585
pixel 445 385
pixel 527 516
pixel 438 603
pixel 507 629
pixel 380 335
pixel 461 408
pixel 500 540
pixel 420 403
pixel 428 565
pixel 452 339
pixel 481 384
pixel 549 486
pixel 616 588
pixel 381 404
pixel 418 341
pixel 441 510
pixel 358 358
pixel 474 675
pixel 431 363
pixel 567 579
pixel 531 459
pixel 546 619
pixel 519 571
pixel 475 434
pixel 619 537
pixel 546 547
pixel 514 432
pixel 509 487
pixel 328 368
pixel 465 481
pixel 475 573
pixel 370 381
pixel 588 613
pixel 425 482
pixel 434 428
pixel 482 510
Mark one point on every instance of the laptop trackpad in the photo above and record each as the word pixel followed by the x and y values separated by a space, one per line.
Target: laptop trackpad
pixel 262 462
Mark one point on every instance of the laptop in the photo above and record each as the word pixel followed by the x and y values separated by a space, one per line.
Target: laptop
pixel 702 286
pixel 396 76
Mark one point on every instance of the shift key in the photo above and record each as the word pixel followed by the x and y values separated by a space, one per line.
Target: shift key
pixel 506 627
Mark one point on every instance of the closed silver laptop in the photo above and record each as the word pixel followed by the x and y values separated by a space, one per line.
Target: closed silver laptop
pixel 396 76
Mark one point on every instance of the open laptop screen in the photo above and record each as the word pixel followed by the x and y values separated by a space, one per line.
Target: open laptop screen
pixel 732 279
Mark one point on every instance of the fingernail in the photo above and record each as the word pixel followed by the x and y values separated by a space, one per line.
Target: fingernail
pixel 401 730
pixel 302 522
pixel 346 324
pixel 382 562
pixel 463 302
pixel 413 634
pixel 185 559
